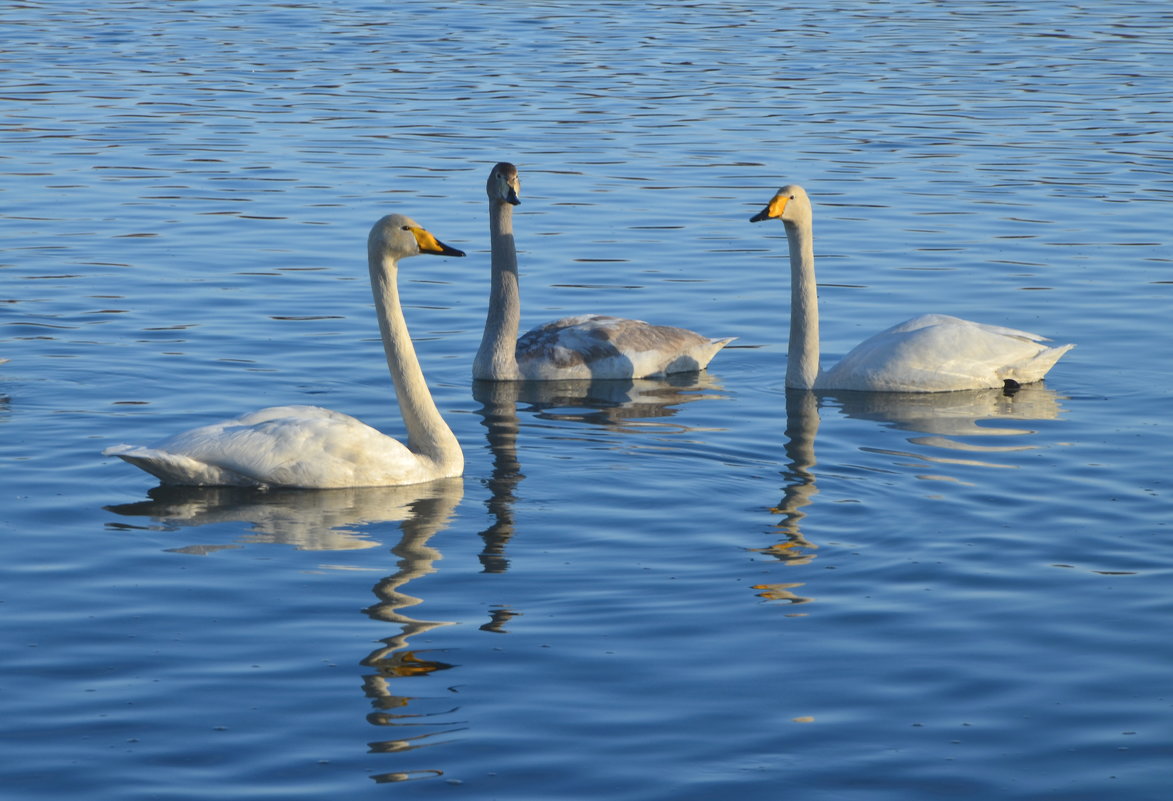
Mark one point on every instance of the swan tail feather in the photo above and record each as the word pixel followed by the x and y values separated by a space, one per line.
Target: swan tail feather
pixel 1036 367
pixel 177 469
pixel 715 345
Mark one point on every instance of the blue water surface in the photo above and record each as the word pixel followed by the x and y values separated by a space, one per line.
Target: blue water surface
pixel 704 588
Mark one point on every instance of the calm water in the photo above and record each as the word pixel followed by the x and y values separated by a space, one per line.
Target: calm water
pixel 702 589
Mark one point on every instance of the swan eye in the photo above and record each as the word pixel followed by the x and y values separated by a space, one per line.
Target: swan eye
pixel 407 228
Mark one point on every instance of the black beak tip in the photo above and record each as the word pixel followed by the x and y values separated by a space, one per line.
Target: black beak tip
pixel 761 215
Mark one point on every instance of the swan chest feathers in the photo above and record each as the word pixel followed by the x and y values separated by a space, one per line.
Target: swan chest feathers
pixel 940 353
pixel 603 347
pixel 284 446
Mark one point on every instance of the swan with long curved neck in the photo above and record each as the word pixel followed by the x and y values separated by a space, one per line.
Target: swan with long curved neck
pixel 587 346
pixel 312 447
pixel 930 353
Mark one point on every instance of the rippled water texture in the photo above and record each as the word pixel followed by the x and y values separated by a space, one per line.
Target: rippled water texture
pixel 697 589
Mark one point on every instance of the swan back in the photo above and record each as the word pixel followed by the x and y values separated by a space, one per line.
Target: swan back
pixel 597 346
pixel 940 353
pixel 281 446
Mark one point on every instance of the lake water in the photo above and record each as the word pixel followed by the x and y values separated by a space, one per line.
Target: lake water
pixel 688 590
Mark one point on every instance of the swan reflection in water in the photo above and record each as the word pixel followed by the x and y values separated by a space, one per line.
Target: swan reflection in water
pixel 628 406
pixel 322 520
pixel 332 520
pixel 309 520
pixel 617 405
pixel 942 417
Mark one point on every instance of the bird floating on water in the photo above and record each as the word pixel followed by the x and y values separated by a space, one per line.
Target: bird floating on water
pixel 586 346
pixel 930 353
pixel 312 447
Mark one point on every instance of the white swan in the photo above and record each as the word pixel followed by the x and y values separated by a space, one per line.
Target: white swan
pixel 931 353
pixel 587 346
pixel 311 447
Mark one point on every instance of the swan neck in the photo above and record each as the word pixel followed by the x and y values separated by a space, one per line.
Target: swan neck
pixel 497 356
pixel 802 425
pixel 802 363
pixel 427 434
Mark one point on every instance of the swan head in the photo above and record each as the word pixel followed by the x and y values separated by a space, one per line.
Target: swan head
pixel 399 236
pixel 790 204
pixel 503 185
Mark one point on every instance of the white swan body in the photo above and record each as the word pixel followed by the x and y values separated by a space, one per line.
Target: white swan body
pixel 931 353
pixel 589 346
pixel 311 447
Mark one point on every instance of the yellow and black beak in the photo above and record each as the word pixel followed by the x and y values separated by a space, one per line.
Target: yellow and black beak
pixel 773 209
pixel 429 244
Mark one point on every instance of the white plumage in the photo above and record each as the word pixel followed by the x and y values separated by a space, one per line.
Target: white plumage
pixel 930 353
pixel 312 447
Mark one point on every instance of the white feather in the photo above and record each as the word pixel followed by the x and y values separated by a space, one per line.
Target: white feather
pixel 930 353
pixel 312 447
